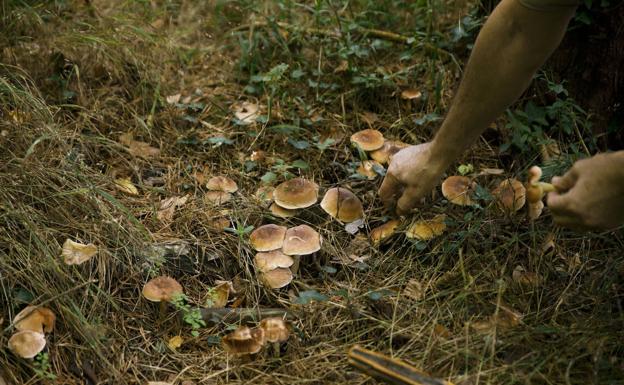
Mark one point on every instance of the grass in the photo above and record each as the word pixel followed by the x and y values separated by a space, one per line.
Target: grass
pixel 76 76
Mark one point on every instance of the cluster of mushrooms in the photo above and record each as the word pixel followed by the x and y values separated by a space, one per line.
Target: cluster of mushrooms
pixel 31 324
pixel 245 340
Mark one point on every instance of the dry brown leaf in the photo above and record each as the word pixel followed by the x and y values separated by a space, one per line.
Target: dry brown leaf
pixel 414 290
pixel 246 112
pixel 549 243
pixel 342 67
pixel 168 207
pixel 75 253
pixel 218 296
pixel 173 99
pixel 136 148
pixel 525 278
pixel 441 331
pixel 175 342
pixel 126 186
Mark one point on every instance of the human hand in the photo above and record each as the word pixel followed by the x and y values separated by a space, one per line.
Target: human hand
pixel 412 173
pixel 590 196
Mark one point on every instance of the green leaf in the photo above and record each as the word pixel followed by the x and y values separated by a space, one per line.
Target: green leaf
pixel 301 164
pixel 379 294
pixel 299 144
pixel 219 140
pixel 285 129
pixel 307 296
pixel 268 177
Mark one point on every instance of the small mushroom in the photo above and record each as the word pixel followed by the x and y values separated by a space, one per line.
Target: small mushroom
pixel 510 195
pixel 244 340
pixel 535 191
pixel 277 278
pixel 342 204
pixel 267 237
pixel 27 343
pixel 380 233
pixel 272 260
pixel 367 169
pixel 427 229
pixel 217 197
pixel 296 193
pixel 368 140
pixel 281 212
pixel 37 319
pixel 222 183
pixel 275 331
pixel 385 153
pixel 162 289
pixel 301 240
pixel 457 190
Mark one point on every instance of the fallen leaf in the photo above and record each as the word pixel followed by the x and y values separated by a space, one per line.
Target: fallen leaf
pixel 126 186
pixel 342 67
pixel 175 342
pixel 173 99
pixel 136 148
pixel 491 171
pixel 353 227
pixel 218 296
pixel 427 229
pixel 414 290
pixel 526 278
pixel 369 117
pixel 441 331
pixel 246 113
pixel 549 243
pixel 168 207
pixel 75 253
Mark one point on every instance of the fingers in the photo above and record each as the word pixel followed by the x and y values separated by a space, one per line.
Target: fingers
pixel 567 181
pixel 390 189
pixel 559 203
pixel 410 198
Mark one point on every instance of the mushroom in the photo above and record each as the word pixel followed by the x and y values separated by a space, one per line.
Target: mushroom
pixel 222 183
pixel 272 260
pixel 162 289
pixel 267 237
pixel 385 153
pixel 380 233
pixel 457 190
pixel 342 204
pixel 427 229
pixel 296 193
pixel 244 340
pixel 510 195
pixel 36 319
pixel 281 212
pixel 275 331
pixel 75 253
pixel 217 197
pixel 535 191
pixel 367 169
pixel 27 343
pixel 277 278
pixel 368 140
pixel 301 240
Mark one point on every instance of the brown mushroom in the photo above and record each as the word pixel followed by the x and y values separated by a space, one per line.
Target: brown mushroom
pixel 389 148
pixel 425 230
pixel 244 340
pixel 275 331
pixel 380 233
pixel 272 260
pixel 27 343
pixel 535 191
pixel 267 237
pixel 510 195
pixel 281 212
pixel 37 319
pixel 162 289
pixel 296 193
pixel 222 183
pixel 301 240
pixel 368 140
pixel 457 190
pixel 217 197
pixel 367 169
pixel 277 278
pixel 342 204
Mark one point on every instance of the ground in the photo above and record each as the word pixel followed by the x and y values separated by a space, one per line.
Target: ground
pixel 97 91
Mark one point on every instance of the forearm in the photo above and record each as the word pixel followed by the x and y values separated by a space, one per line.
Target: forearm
pixel 511 46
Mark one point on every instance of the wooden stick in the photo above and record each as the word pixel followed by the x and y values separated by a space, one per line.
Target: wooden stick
pixel 389 370
pixel 229 315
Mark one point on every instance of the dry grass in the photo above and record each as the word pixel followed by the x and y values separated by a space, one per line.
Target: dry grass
pixel 76 76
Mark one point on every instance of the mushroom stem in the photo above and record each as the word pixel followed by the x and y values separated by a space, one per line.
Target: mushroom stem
pixel 162 310
pixel 295 266
pixel 547 187
pixel 276 349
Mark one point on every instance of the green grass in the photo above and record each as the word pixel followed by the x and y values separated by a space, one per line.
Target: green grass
pixel 90 73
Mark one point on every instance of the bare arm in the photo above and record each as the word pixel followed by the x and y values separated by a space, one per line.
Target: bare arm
pixel 511 46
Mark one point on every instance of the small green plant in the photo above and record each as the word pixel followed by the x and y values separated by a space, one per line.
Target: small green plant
pixel 241 230
pixel 42 368
pixel 190 316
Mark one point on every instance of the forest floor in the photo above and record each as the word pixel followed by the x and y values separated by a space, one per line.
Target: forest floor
pixel 166 94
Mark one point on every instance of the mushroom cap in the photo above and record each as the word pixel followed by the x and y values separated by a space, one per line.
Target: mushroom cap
pixel 37 319
pixel 272 260
pixel 217 197
pixel 161 288
pixel 244 340
pixel 27 343
pixel 277 278
pixel 301 240
pixel 222 183
pixel 281 212
pixel 534 192
pixel 457 190
pixel 342 204
pixel 267 237
pixel 384 231
pixel 275 329
pixel 367 169
pixel 296 193
pixel 368 140
pixel 389 148
pixel 510 195
pixel 427 229
pixel 75 253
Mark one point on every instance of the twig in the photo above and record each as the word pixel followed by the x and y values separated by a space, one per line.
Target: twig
pixel 228 315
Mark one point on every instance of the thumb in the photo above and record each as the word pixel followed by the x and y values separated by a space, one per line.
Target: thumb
pixel 410 198
pixel 558 203
pixel 565 182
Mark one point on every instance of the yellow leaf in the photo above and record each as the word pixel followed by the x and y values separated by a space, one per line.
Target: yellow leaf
pixel 175 342
pixel 125 185
pixel 427 229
